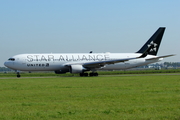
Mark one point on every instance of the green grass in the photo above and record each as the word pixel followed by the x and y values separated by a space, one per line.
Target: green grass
pixel 97 98
pixel 37 74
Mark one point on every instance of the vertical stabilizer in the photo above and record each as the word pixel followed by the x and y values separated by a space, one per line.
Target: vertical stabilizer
pixel 153 43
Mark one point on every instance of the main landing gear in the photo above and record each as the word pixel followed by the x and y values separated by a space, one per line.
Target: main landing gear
pixel 90 74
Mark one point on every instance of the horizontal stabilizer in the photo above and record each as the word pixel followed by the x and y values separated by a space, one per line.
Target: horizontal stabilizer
pixel 160 57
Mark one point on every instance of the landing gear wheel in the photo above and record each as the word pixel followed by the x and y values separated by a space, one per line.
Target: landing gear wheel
pixel 83 74
pixel 18 75
pixel 93 74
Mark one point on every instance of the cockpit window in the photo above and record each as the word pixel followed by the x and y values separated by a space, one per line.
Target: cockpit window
pixel 11 59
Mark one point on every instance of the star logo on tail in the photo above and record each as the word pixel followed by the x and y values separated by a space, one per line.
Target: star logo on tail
pixel 153 45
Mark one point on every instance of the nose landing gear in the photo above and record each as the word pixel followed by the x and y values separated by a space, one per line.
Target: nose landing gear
pixel 18 75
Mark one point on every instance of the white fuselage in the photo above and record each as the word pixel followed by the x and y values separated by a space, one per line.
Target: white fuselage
pixel 53 62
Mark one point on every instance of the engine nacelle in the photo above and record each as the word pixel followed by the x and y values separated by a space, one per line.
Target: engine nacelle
pixel 62 71
pixel 76 69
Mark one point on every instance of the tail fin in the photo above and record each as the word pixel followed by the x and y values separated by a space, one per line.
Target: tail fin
pixel 153 43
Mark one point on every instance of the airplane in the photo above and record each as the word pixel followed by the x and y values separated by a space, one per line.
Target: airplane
pixel 82 62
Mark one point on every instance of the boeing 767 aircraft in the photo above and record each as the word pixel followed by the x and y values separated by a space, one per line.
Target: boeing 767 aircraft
pixel 83 62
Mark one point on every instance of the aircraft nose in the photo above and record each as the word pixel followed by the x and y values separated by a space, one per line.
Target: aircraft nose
pixel 7 64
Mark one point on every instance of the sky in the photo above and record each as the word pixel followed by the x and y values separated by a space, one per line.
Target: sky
pixel 80 26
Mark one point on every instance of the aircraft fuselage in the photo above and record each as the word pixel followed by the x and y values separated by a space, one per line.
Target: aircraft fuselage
pixel 53 62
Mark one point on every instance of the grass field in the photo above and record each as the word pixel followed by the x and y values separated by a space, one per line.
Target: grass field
pixel 118 72
pixel 97 98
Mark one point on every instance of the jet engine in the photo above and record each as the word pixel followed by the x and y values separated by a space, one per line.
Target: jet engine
pixel 77 69
pixel 62 70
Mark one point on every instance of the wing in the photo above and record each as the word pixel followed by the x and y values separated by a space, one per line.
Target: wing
pixel 99 64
